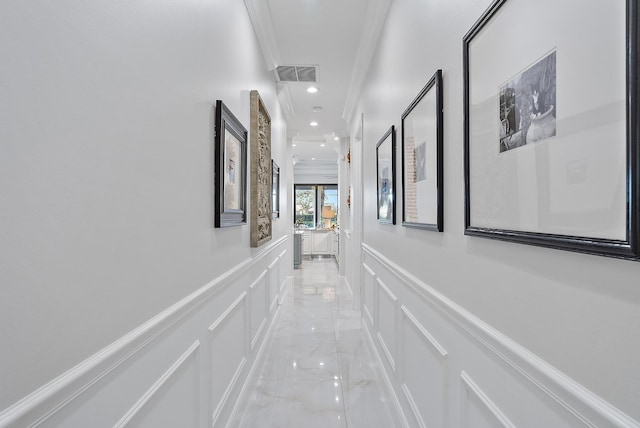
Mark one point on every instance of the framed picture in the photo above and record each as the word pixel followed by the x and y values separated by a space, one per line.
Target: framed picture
pixel 275 189
pixel 230 169
pixel 551 134
pixel 386 171
pixel 422 200
pixel 261 188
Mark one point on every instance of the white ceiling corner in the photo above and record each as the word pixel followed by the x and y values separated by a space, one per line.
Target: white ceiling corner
pixel 284 96
pixel 375 18
pixel 260 17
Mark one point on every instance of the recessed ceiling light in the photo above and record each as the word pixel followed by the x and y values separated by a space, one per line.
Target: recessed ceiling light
pixel 293 145
pixel 336 138
pixel 321 145
pixel 313 158
pixel 312 89
pixel 314 123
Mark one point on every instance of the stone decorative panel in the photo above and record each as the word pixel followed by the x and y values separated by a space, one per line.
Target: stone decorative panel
pixel 261 212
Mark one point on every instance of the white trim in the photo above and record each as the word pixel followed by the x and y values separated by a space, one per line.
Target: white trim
pixel 575 398
pixel 369 270
pixel 286 102
pixel 367 313
pixel 399 413
pixel 53 396
pixel 273 264
pixel 394 301
pixel 260 277
pixel 410 320
pixel 387 353
pixel 413 405
pixel 430 339
pixel 227 392
pixel 258 333
pixel 253 372
pixel 262 23
pixel 375 17
pixel 228 311
pixel 469 386
pixel 124 421
pixel 386 290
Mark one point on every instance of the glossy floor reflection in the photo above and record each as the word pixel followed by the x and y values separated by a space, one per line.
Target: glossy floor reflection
pixel 318 371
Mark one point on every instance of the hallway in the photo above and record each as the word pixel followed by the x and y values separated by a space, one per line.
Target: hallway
pixel 318 370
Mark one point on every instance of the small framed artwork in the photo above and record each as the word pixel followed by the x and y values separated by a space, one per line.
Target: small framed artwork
pixel 275 189
pixel 230 169
pixel 422 200
pixel 551 150
pixel 386 171
pixel 261 217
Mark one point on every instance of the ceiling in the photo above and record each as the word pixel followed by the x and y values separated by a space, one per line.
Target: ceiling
pixel 337 36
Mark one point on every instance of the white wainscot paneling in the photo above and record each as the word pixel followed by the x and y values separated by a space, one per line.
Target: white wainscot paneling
pixel 368 292
pixel 274 284
pixel 282 278
pixel 510 386
pixel 259 304
pixel 173 400
pixel 228 339
pixel 185 367
pixel 386 322
pixel 424 371
pixel 477 409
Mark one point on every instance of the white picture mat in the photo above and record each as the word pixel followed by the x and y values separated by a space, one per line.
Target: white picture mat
pixel 420 126
pixel 232 179
pixel 573 183
pixel 385 172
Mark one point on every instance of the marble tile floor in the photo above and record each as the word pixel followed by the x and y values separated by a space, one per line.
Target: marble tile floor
pixel 318 370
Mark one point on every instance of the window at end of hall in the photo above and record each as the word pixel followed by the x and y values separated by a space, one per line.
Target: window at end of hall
pixel 316 206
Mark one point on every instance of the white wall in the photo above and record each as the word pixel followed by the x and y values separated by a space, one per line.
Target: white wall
pixel 578 313
pixel 106 170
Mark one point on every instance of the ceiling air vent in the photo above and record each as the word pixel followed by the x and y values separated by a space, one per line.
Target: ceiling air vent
pixel 297 73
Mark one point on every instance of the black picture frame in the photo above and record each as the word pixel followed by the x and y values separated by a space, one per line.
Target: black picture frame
pixel 230 168
pixel 386 172
pixel 275 192
pixel 422 159
pixel 576 229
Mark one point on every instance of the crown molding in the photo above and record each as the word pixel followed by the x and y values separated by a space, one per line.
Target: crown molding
pixel 260 17
pixel 286 102
pixel 375 17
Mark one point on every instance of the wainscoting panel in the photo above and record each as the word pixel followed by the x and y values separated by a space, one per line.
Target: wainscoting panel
pixel 284 263
pixel 424 360
pixel 187 366
pixel 478 411
pixel 386 321
pixel 228 349
pixel 368 294
pixel 259 295
pixel 448 368
pixel 173 400
pixel 274 284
